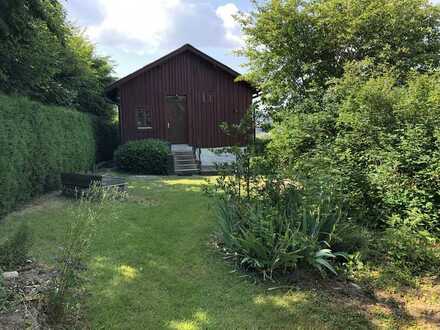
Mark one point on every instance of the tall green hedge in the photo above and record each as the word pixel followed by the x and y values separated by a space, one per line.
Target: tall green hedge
pixel 37 143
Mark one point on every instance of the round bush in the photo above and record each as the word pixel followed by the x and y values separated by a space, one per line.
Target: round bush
pixel 143 157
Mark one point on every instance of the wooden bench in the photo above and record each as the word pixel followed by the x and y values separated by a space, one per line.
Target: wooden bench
pixel 74 184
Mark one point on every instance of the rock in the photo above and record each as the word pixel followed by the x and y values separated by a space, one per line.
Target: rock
pixel 357 287
pixel 10 275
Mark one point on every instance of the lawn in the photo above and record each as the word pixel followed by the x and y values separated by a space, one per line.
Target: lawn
pixel 152 267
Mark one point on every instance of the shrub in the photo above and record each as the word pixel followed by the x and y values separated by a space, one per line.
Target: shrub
pixel 377 137
pixel 37 143
pixel 261 143
pixel 15 250
pixel 143 157
pixel 266 239
pixel 409 249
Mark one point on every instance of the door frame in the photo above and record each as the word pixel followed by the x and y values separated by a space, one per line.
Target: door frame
pixel 185 120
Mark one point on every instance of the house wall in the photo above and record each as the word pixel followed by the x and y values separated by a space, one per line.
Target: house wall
pixel 198 79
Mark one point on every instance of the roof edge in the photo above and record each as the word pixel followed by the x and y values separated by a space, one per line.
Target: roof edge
pixel 163 59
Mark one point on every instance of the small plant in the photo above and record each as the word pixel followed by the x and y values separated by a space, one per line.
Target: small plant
pixel 4 295
pixel 413 252
pixel 15 250
pixel 63 298
pixel 144 157
pixel 270 223
pixel 264 238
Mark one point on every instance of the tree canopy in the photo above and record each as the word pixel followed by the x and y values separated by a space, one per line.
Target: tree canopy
pixel 45 57
pixel 353 88
pixel 295 47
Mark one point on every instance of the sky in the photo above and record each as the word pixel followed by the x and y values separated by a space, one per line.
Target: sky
pixel 136 32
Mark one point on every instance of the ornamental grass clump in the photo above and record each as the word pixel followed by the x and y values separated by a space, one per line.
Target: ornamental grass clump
pixel 272 225
pixel 63 305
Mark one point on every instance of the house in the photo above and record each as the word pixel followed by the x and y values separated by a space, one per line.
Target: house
pixel 183 98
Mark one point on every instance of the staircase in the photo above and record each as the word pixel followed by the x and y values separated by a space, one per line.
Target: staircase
pixel 185 162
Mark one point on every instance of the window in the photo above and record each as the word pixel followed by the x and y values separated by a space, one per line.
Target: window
pixel 143 118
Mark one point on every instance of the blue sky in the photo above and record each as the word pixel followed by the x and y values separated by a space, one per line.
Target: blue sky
pixel 136 32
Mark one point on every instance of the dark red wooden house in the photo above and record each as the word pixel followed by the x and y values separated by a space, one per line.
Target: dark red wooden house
pixel 182 98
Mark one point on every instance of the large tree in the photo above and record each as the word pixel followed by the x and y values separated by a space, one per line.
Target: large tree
pixel 43 56
pixel 295 47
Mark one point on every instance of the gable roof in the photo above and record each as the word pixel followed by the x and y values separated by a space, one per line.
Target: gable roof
pixel 187 47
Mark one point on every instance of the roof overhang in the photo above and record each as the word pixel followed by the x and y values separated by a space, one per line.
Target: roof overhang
pixel 111 92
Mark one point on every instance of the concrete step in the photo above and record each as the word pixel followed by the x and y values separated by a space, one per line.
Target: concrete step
pixel 185 162
pixel 184 168
pixel 179 164
pixel 184 156
pixel 187 171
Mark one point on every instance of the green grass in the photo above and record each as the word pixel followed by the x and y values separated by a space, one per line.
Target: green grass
pixel 151 267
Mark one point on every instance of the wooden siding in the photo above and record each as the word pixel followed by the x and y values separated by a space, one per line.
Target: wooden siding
pixel 188 75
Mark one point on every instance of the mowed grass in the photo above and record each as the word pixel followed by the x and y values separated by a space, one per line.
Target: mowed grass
pixel 152 267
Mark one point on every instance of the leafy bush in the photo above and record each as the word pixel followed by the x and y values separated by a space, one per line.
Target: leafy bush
pixel 15 250
pixel 144 157
pixel 38 143
pixel 261 143
pixel 266 239
pixel 378 140
pixel 272 225
pixel 409 250
pixel 67 71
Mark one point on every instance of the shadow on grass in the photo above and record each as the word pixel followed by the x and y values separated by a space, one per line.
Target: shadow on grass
pixel 155 269
pixel 181 295
pixel 151 267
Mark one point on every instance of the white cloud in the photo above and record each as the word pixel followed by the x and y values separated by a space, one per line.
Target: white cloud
pixel 133 25
pixel 232 29
pixel 149 26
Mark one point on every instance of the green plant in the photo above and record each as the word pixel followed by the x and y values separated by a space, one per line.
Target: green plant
pixel 268 239
pixel 4 295
pixel 64 297
pixel 409 250
pixel 15 250
pixel 37 143
pixel 296 59
pixel 67 71
pixel 144 157
pixel 156 247
pixel 107 139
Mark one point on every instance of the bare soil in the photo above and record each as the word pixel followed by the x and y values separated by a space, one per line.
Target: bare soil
pixel 27 298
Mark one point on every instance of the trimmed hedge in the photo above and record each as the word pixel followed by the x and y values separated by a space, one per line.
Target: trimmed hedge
pixel 107 139
pixel 37 143
pixel 144 157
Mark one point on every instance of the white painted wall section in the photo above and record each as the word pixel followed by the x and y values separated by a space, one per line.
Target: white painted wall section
pixel 209 158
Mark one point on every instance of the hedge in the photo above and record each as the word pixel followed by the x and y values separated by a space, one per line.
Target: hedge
pixel 37 143
pixel 107 139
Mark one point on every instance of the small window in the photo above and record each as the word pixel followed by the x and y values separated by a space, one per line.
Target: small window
pixel 143 118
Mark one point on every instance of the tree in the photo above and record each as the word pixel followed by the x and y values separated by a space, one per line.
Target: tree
pixel 43 56
pixel 295 47
pixel 376 139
